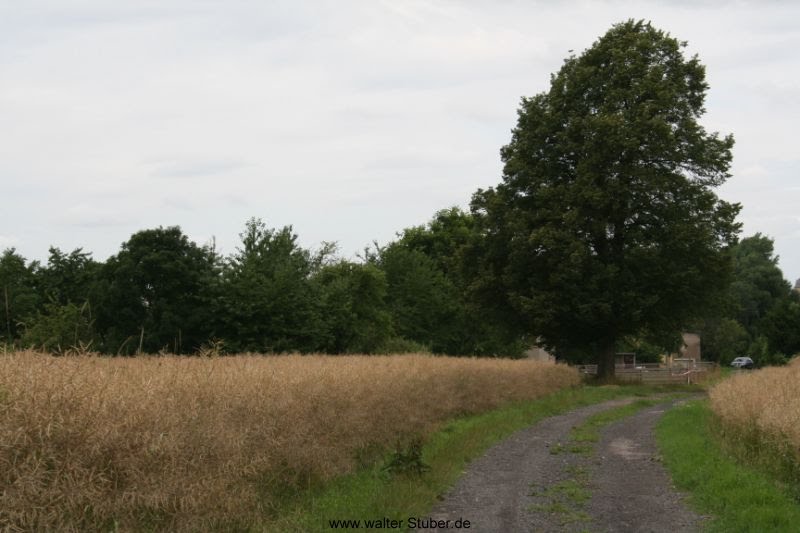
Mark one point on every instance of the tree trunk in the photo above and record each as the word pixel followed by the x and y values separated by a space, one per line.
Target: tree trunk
pixel 605 362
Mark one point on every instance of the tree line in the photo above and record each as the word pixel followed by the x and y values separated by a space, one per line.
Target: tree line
pixel 422 292
pixel 164 293
pixel 604 234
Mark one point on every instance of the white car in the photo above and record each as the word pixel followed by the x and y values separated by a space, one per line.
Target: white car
pixel 742 362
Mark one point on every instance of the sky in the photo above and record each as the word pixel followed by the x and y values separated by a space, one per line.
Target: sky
pixel 349 120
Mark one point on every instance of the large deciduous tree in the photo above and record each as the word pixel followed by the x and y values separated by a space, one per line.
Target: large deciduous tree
pixel 605 224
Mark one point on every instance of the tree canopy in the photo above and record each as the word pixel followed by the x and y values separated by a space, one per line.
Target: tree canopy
pixel 605 224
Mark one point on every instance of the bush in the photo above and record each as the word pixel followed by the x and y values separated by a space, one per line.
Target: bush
pixel 60 328
pixel 761 354
pixel 399 345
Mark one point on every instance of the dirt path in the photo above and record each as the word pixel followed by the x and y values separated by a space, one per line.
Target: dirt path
pixel 538 481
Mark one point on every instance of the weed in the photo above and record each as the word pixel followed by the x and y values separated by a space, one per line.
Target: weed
pixel 213 348
pixel 557 449
pixel 407 460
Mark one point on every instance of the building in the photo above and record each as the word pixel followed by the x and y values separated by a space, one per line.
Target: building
pixel 691 346
pixel 539 354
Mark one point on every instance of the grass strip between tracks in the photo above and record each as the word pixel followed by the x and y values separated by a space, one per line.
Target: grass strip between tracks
pixel 566 500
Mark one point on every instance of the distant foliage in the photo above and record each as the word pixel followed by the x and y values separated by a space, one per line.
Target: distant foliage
pixel 759 315
pixel 354 314
pixel 19 299
pixel 267 302
pixel 155 294
pixel 163 293
pixel 399 345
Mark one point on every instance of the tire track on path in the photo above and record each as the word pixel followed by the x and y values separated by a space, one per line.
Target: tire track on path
pixel 631 490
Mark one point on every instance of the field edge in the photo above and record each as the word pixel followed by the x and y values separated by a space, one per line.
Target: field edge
pixel 732 496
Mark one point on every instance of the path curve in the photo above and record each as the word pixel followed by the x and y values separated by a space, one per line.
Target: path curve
pixel 531 482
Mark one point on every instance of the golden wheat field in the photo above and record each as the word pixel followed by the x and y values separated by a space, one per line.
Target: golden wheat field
pixel 762 407
pixel 190 443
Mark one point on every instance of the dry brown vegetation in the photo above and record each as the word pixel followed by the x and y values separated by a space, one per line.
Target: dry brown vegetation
pixel 761 409
pixel 191 443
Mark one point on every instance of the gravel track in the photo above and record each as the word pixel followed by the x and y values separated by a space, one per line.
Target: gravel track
pixel 533 482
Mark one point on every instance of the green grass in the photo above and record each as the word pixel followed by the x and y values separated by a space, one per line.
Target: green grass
pixel 739 498
pixel 372 493
pixel 767 453
pixel 566 499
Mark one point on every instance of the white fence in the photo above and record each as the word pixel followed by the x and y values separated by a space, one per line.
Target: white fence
pixel 656 374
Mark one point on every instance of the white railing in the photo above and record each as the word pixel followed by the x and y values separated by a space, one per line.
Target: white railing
pixel 682 372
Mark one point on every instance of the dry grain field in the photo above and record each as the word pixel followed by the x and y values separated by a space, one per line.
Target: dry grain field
pixel 762 409
pixel 192 443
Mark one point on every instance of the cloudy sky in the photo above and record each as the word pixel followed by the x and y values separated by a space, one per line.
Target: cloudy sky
pixel 349 120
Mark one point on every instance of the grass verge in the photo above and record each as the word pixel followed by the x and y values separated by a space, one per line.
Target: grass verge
pixel 757 420
pixel 371 493
pixel 739 498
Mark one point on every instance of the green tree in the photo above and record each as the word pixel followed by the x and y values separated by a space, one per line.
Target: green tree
pixel 424 304
pixel 605 224
pixel 781 326
pixel 758 283
pixel 156 294
pixel 67 278
pixel 756 314
pixel 464 326
pixel 443 239
pixel 723 339
pixel 18 294
pixel 355 316
pixel 268 302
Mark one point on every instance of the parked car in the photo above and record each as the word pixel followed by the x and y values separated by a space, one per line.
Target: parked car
pixel 742 362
